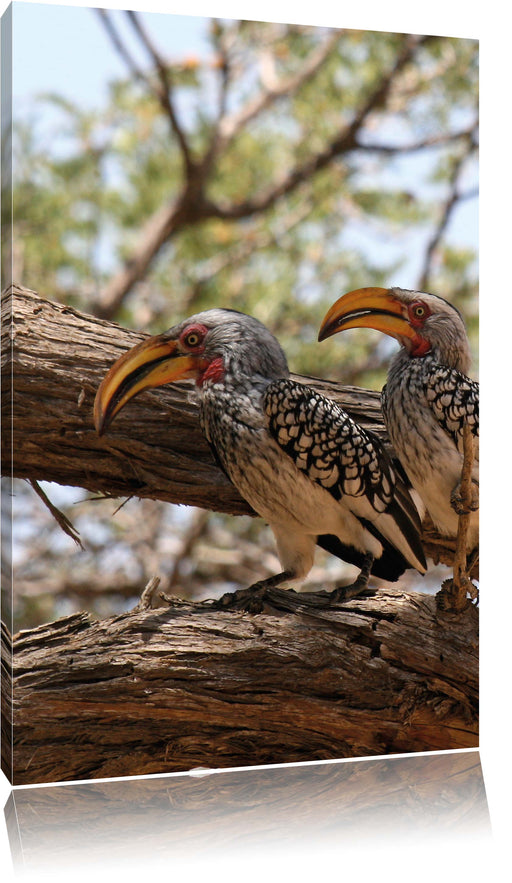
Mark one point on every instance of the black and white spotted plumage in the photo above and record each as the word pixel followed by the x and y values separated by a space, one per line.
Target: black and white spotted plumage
pixel 309 470
pixel 428 397
pixel 348 461
pixel 454 399
pixel 327 444
pixel 297 458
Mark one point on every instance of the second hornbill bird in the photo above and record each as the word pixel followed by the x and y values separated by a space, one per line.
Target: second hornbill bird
pixel 428 396
pixel 295 456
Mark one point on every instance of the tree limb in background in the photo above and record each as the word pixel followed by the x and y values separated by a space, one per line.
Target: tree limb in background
pixel 165 91
pixel 161 90
pixel 344 141
pixel 193 206
pixel 155 449
pixel 414 147
pixel 229 126
pixel 455 197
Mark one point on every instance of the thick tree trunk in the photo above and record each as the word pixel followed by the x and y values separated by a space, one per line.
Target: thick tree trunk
pixel 53 360
pixel 184 686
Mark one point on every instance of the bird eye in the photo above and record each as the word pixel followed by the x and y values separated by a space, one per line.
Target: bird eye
pixel 419 311
pixel 193 337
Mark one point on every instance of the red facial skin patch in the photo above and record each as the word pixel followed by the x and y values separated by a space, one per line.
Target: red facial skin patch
pixel 214 373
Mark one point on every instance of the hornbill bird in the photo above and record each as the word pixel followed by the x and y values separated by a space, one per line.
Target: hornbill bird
pixel 295 456
pixel 428 397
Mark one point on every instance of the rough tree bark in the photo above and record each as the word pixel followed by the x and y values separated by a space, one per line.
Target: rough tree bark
pixel 185 685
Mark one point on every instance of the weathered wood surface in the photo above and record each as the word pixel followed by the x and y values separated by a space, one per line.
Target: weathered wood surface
pixel 184 686
pixel 53 360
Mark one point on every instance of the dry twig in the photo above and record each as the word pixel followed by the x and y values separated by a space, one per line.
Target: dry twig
pixel 454 592
pixel 61 519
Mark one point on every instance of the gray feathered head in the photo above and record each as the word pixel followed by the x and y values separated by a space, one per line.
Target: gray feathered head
pixel 215 346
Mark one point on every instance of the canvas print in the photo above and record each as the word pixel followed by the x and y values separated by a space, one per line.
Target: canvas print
pixel 239 393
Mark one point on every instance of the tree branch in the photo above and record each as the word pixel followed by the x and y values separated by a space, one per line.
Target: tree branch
pixel 453 199
pixel 185 685
pixel 120 47
pixel 454 592
pixel 344 141
pixel 425 144
pixel 53 360
pixel 193 206
pixel 460 575
pixel 229 126
pixel 61 519
pixel 165 92
pixel 162 90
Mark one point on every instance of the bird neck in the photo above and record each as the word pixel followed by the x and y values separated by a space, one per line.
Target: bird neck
pixel 450 356
pixel 405 364
pixel 219 378
pixel 241 372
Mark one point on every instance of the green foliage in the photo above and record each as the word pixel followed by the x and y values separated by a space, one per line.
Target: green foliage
pixel 83 194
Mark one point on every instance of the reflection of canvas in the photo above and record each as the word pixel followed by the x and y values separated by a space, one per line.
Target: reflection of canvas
pixel 261 167
pixel 306 810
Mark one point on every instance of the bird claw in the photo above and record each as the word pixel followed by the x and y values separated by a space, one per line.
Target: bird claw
pixel 248 600
pixel 342 594
pixel 252 599
pixel 358 589
pixel 453 599
pixel 461 506
pixel 266 594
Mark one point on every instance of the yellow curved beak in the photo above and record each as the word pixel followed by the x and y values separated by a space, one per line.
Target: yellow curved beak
pixel 148 364
pixel 367 308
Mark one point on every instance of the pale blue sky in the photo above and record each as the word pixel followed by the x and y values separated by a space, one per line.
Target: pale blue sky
pixel 65 49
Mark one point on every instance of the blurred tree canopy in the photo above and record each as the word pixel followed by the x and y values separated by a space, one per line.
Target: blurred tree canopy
pixel 279 169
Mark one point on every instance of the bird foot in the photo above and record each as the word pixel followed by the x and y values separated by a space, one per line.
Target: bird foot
pixel 341 594
pixel 266 594
pixel 453 598
pixel 243 599
pixel 357 589
pixel 252 599
pixel 259 598
pixel 462 506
